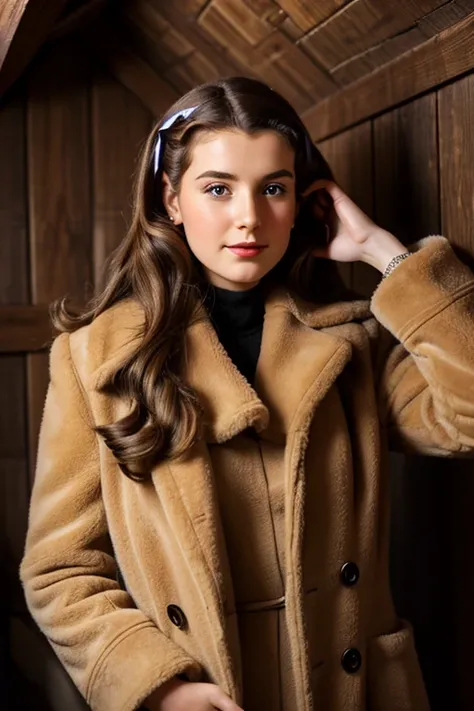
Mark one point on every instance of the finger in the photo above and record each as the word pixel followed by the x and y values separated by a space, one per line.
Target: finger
pixel 346 209
pixel 223 702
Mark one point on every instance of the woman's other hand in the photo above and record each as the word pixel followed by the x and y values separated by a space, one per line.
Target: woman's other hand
pixel 179 695
pixel 353 236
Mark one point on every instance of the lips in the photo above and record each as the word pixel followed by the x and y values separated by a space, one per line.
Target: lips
pixel 247 245
pixel 246 250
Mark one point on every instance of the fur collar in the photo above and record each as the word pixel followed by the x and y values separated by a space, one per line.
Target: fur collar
pixel 298 362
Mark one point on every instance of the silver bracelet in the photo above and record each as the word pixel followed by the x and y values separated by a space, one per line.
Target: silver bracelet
pixel 394 262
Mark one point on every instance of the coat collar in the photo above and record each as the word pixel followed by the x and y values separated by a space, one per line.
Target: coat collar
pixel 299 360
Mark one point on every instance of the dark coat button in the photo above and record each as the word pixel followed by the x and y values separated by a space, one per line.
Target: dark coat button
pixel 351 660
pixel 349 574
pixel 177 616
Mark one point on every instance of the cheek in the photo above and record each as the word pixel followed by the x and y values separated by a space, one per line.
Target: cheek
pixel 282 216
pixel 203 217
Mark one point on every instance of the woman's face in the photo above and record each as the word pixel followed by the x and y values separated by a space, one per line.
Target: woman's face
pixel 239 188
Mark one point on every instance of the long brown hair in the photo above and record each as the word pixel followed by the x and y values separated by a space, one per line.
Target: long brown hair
pixel 154 266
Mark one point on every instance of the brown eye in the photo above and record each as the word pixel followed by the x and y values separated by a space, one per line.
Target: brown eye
pixel 216 190
pixel 275 189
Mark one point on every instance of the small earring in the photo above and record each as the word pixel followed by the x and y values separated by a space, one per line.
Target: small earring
pixel 171 218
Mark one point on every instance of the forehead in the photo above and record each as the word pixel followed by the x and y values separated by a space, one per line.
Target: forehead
pixel 235 151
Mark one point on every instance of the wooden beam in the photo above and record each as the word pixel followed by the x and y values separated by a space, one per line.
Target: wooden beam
pixel 25 328
pixel 440 59
pixel 24 24
pixel 109 45
pixel 79 18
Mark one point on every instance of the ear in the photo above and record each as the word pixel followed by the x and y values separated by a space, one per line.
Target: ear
pixel 171 200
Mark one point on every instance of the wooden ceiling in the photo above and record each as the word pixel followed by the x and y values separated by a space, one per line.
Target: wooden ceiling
pixel 309 50
pixel 306 49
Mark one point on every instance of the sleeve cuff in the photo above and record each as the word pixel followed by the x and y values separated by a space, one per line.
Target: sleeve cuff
pixel 420 286
pixel 136 664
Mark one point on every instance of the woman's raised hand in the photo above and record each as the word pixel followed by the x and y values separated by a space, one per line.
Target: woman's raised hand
pixel 179 695
pixel 353 235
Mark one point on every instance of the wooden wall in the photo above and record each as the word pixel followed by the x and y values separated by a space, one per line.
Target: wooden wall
pixel 411 170
pixel 69 137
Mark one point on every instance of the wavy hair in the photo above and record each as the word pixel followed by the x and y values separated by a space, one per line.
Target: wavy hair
pixel 154 266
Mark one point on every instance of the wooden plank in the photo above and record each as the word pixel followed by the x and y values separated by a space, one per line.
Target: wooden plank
pixel 110 46
pixel 211 51
pixel 24 328
pixel 15 495
pixel 295 66
pixel 350 158
pixel 152 37
pixel 360 25
pixel 120 124
pixel 13 460
pixel 439 59
pixel 225 37
pixel 58 141
pixel 276 60
pixel 58 138
pixel 406 170
pixel 23 27
pixel 456 146
pixel 13 220
pixel 445 16
pixel 242 18
pixel 308 15
pixel 362 64
pixel 12 407
pixel 195 69
pixel 78 18
pixel 37 380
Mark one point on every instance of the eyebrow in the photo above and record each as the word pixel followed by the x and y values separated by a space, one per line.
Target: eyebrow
pixel 229 176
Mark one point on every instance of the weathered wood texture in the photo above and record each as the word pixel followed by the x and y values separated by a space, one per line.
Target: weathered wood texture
pixel 442 58
pixel 24 328
pixel 69 138
pixel 14 288
pixel 24 25
pixel 350 157
pixel 307 51
pixel 119 127
pixel 59 197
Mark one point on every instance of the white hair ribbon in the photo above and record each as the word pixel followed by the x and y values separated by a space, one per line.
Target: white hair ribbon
pixel 169 122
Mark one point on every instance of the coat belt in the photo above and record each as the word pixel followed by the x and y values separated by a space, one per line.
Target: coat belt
pixel 277 604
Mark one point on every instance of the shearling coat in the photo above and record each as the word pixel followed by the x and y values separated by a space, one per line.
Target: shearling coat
pixel 335 386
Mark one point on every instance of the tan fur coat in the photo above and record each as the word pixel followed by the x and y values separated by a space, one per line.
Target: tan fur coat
pixel 403 367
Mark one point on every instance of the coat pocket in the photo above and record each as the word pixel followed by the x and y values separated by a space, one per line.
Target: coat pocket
pixel 394 679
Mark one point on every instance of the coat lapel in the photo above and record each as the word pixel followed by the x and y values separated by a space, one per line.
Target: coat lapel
pixel 298 363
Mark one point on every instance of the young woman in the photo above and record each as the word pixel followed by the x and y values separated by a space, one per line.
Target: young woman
pixel 209 520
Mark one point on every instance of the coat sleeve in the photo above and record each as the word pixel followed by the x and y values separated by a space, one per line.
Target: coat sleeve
pixel 425 352
pixel 115 655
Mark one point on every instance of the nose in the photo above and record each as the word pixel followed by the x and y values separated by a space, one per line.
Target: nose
pixel 247 213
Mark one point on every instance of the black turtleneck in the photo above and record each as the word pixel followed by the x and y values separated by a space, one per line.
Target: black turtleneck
pixel 238 317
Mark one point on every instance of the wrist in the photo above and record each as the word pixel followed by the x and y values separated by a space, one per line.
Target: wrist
pixel 154 701
pixel 380 249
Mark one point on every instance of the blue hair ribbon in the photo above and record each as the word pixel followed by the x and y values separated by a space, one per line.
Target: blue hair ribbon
pixel 185 113
pixel 167 124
